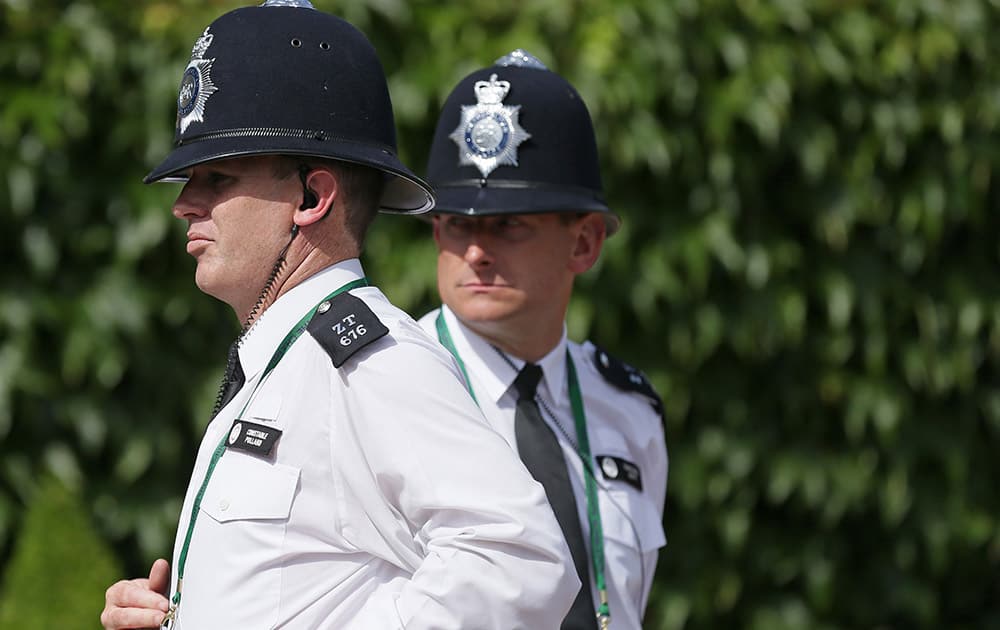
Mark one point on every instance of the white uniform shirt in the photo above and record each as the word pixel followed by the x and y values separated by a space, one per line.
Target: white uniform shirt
pixel 388 502
pixel 620 424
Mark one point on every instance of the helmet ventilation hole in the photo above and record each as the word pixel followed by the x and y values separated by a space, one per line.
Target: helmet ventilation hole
pixel 296 42
pixel 324 46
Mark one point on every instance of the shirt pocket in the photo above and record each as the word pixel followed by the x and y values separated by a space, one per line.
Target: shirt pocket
pixel 245 488
pixel 628 515
pixel 631 518
pixel 239 544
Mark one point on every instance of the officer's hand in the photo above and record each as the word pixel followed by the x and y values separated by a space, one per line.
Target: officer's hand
pixel 138 603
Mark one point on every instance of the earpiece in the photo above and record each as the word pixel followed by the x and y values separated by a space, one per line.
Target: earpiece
pixel 308 199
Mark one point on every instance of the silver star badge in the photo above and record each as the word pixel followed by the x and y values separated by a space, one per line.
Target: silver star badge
pixel 489 132
pixel 196 84
pixel 301 4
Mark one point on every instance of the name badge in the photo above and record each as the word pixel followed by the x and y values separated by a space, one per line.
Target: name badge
pixel 251 437
pixel 618 469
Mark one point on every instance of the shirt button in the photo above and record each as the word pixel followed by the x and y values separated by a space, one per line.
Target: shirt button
pixel 223 505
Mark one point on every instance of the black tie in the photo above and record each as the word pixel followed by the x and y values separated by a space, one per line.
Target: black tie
pixel 232 381
pixel 543 457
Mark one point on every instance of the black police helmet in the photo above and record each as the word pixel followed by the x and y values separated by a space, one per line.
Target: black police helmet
pixel 285 79
pixel 516 138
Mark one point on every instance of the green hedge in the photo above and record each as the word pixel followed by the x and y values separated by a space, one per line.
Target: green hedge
pixel 60 568
pixel 807 272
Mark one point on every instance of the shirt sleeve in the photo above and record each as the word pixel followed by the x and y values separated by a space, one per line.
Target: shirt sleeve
pixel 490 552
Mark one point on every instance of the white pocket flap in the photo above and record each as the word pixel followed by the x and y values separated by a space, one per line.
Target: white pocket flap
pixel 244 487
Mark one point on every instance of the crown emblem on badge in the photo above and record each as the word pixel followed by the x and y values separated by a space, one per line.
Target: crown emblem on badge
pixel 201 46
pixel 489 132
pixel 196 84
pixel 492 92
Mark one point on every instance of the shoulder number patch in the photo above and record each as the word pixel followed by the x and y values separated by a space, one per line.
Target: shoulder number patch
pixel 344 325
pixel 624 376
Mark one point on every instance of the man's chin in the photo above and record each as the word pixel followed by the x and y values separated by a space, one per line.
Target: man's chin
pixel 207 283
pixel 480 311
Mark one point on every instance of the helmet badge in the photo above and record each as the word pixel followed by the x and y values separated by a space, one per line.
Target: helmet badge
pixel 196 84
pixel 489 132
pixel 299 4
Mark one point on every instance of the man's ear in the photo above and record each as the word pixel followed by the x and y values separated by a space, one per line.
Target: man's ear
pixel 589 232
pixel 321 189
pixel 436 227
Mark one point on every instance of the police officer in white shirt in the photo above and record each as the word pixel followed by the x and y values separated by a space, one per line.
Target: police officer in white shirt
pixel 347 479
pixel 520 213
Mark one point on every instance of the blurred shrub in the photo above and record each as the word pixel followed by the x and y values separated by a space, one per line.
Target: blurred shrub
pixel 60 568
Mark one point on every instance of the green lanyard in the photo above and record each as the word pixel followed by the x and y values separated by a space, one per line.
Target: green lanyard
pixel 279 352
pixel 445 336
pixel 583 450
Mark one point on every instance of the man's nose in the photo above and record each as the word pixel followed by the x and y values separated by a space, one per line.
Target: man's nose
pixel 187 205
pixel 476 252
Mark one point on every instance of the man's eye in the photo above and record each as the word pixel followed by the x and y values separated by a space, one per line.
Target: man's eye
pixel 508 223
pixel 457 225
pixel 512 228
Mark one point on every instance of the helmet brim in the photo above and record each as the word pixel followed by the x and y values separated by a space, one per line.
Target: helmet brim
pixel 493 200
pixel 404 192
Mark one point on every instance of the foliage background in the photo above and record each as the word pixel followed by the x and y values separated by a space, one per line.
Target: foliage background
pixel 807 273
pixel 61 567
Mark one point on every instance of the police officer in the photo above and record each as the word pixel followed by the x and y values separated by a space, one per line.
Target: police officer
pixel 520 213
pixel 347 479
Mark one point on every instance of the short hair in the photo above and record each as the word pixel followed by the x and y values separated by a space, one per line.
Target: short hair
pixel 360 187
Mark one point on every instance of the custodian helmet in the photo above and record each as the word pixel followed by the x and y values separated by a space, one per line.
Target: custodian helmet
pixel 516 138
pixel 285 79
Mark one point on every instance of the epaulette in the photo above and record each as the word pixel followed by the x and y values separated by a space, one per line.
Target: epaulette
pixel 343 325
pixel 625 377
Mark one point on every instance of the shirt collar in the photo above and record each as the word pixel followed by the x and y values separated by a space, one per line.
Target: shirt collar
pixel 275 322
pixel 493 374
